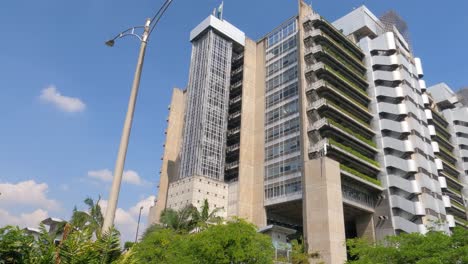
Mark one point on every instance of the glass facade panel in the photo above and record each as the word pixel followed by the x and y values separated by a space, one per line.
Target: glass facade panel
pixel 281 85
pixel 207 108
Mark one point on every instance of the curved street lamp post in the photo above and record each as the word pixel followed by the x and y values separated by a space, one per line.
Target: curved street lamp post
pixel 119 165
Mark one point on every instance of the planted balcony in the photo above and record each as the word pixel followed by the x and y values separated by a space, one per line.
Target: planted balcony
pixel 448 155
pixel 460 221
pixel 316 21
pixel 331 112
pixel 358 99
pixel 442 141
pixel 452 179
pixel 360 175
pixel 330 129
pixel 328 56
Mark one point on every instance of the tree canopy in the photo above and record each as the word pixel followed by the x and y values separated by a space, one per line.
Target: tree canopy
pixel 234 242
pixel 415 248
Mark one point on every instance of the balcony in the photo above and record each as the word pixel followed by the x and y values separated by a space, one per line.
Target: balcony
pixel 345 155
pixel 361 177
pixel 234 115
pixel 236 85
pixel 237 71
pixel 442 141
pixel 234 132
pixel 357 97
pixel 316 21
pixel 322 39
pixel 235 100
pixel 233 148
pixel 330 57
pixel 447 154
pixel 330 128
pixel 331 75
pixel 330 110
pixel 460 221
pixel 440 119
pixel 451 179
pixel 405 225
pixel 343 100
pixel 454 192
pixel 232 165
pixel 449 168
pixel 356 198
pixel 238 57
pixel 441 129
pixel 342 60
pixel 403 204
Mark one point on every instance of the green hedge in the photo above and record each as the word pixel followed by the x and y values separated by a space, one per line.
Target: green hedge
pixel 354 152
pixel 348 113
pixel 348 130
pixel 360 175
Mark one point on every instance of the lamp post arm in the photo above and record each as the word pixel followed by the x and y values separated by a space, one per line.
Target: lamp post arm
pixel 119 165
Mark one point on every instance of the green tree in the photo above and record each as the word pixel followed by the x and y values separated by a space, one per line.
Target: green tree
pixel 44 249
pixel 204 217
pixel 91 219
pixel 230 243
pixel 180 221
pixel 433 247
pixel 15 245
pixel 299 253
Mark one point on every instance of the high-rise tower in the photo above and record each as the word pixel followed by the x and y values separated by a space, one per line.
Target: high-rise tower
pixel 322 128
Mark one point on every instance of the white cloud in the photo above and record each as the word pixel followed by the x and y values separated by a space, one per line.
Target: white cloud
pixel 23 220
pixel 126 220
pixel 26 193
pixel 68 104
pixel 106 175
pixel 146 203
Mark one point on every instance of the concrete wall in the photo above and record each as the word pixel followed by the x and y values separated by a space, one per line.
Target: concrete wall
pixel 258 210
pixel 322 205
pixel 248 204
pixel 170 161
pixel 194 190
pixel 324 229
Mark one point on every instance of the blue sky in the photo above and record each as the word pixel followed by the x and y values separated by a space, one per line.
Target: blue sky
pixel 55 48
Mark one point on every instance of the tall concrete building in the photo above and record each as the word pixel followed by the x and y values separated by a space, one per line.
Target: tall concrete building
pixel 324 128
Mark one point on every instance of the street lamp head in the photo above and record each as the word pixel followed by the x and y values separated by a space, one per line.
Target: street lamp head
pixel 110 43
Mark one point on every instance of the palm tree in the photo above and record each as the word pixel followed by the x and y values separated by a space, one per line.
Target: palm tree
pixel 188 218
pixel 91 220
pixel 180 221
pixel 204 217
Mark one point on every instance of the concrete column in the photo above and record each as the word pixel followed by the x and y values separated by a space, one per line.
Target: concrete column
pixel 324 230
pixel 365 227
pixel 258 209
pixel 170 163
pixel 249 204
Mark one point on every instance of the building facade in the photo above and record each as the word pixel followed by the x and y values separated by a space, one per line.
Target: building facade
pixel 323 128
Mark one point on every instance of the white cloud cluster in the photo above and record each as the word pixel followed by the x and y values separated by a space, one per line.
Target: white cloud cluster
pixel 26 193
pixel 105 175
pixel 23 220
pixel 22 195
pixel 65 103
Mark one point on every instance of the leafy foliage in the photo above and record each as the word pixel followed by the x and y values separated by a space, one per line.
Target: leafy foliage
pixel 415 248
pixel 15 245
pixel 234 242
pixel 82 242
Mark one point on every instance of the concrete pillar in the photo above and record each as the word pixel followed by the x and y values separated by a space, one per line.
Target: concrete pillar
pixel 324 230
pixel 365 227
pixel 170 163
